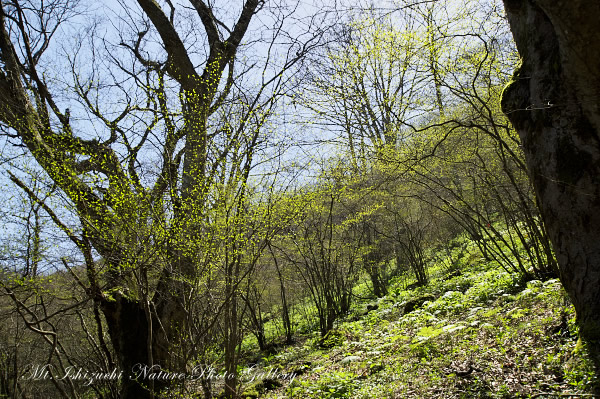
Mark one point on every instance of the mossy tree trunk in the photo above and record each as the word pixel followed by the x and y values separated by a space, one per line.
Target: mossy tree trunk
pixel 554 103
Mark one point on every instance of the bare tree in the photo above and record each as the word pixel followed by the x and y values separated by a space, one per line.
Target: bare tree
pixel 146 229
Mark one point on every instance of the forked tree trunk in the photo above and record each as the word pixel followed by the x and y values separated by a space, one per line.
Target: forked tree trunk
pixel 554 103
pixel 139 356
pixel 128 328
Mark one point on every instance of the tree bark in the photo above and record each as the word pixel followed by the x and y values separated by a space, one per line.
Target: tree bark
pixel 554 103
pixel 128 326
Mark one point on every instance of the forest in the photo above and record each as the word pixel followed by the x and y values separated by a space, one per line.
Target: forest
pixel 299 199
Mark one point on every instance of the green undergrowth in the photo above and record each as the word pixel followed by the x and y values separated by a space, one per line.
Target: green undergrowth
pixel 480 332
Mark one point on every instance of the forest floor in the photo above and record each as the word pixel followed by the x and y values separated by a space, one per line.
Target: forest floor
pixel 475 332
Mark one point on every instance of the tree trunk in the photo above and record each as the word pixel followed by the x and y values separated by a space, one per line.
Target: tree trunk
pixel 554 103
pixel 127 322
pixel 128 329
pixel 232 338
pixel 285 312
pixel 371 263
pixel 379 288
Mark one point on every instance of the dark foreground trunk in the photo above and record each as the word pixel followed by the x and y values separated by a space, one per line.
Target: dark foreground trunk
pixel 554 103
pixel 128 328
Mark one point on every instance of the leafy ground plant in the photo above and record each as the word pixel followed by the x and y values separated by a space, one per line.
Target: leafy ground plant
pixel 486 334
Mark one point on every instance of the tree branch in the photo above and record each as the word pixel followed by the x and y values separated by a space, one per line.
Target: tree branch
pixel 179 65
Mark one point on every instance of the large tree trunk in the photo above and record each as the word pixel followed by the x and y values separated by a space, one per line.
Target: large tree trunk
pixel 128 325
pixel 148 337
pixel 554 103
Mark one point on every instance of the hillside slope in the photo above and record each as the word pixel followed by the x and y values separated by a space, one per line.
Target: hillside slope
pixel 476 333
